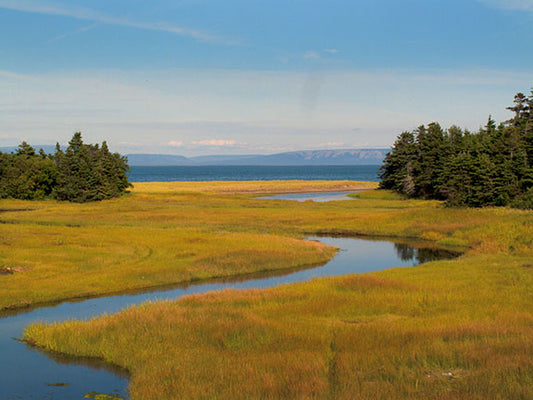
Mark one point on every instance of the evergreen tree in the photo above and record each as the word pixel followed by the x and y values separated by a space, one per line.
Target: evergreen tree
pixel 397 170
pixel 527 128
pixel 74 171
pixel 81 173
pixel 89 173
pixel 431 156
pixel 25 174
pixel 520 109
pixel 492 167
pixel 111 173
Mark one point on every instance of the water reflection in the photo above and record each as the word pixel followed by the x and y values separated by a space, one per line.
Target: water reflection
pixel 319 197
pixel 26 373
pixel 422 254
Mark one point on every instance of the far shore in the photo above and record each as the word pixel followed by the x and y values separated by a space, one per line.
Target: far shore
pixel 256 187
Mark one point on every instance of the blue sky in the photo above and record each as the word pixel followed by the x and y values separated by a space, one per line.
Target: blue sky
pixel 204 76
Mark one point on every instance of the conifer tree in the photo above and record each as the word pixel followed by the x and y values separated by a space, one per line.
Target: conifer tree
pixel 26 174
pixel 81 173
pixel 397 170
pixel 492 167
pixel 89 173
pixel 429 162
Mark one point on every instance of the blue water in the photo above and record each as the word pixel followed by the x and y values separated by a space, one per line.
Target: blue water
pixel 319 197
pixel 255 173
pixel 27 373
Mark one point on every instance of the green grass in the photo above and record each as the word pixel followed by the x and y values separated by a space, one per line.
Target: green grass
pixel 460 329
pixel 160 234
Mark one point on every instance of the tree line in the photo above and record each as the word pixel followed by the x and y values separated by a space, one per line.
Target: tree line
pixel 81 173
pixel 491 167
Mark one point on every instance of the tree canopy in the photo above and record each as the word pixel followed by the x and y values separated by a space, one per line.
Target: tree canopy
pixel 81 173
pixel 493 167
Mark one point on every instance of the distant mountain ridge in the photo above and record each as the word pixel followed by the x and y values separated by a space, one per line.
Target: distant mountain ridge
pixel 293 158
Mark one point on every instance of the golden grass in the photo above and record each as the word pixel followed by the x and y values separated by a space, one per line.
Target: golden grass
pixel 162 233
pixel 410 333
pixel 460 329
pixel 255 187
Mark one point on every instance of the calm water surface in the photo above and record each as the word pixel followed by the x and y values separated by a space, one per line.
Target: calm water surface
pixel 27 373
pixel 318 197
pixel 367 173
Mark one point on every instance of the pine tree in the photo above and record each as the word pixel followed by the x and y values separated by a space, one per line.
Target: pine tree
pixel 74 171
pixel 26 174
pixel 81 173
pixel 90 173
pixel 397 171
pixel 491 167
pixel 429 161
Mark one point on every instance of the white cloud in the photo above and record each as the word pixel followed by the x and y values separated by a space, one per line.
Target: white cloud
pixel 41 7
pixel 524 5
pixel 215 142
pixel 332 144
pixel 311 55
pixel 331 51
pixel 246 111
pixel 175 143
pixel 76 32
pixel 13 75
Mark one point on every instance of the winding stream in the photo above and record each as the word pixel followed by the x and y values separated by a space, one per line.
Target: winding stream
pixel 27 373
pixel 318 197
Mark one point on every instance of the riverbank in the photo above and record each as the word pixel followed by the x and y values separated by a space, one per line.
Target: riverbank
pixel 160 234
pixel 35 371
pixel 447 330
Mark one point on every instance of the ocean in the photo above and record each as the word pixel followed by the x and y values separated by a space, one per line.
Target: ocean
pixel 254 173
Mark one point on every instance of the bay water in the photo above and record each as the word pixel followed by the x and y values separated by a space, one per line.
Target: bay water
pixel 368 173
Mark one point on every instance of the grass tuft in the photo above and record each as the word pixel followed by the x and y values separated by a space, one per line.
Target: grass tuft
pixel 456 329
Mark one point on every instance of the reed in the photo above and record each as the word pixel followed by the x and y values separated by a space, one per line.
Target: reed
pixel 457 329
pixel 407 333
pixel 159 234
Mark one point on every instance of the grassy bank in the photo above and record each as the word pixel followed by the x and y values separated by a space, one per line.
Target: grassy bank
pixel 159 234
pixel 460 329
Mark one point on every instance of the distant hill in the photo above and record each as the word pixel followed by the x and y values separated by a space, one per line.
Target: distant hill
pixel 294 158
pixel 152 160
pixel 326 157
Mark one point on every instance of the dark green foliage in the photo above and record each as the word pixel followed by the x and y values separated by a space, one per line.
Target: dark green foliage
pixel 491 167
pixel 111 173
pixel 431 151
pixel 397 170
pixel 26 174
pixel 79 174
pixel 524 200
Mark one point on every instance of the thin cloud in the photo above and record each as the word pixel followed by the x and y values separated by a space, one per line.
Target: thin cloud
pixel 75 32
pixel 523 5
pixel 331 51
pixel 356 107
pixel 12 75
pixel 332 144
pixel 175 143
pixel 311 55
pixel 215 142
pixel 31 6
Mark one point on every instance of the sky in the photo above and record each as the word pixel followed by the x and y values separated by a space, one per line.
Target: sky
pixel 197 77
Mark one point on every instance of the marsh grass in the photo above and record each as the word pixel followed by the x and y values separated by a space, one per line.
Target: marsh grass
pixel 62 251
pixel 406 333
pixel 255 187
pixel 459 329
